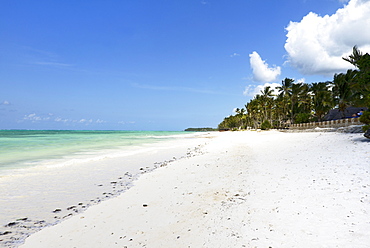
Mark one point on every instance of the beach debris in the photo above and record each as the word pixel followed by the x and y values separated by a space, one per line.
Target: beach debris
pixel 145 205
pixel 108 194
pixel 68 215
pixel 10 224
pixel 71 207
pixel 22 219
pixel 57 210
pixel 40 222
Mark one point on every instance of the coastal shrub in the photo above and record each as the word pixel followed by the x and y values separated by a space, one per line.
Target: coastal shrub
pixel 265 125
pixel 302 118
pixel 275 124
pixel 365 118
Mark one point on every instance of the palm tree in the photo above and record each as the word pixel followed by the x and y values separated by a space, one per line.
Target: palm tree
pixel 285 91
pixel 240 117
pixel 266 101
pixel 286 88
pixel 280 111
pixel 294 99
pixel 254 111
pixel 362 85
pixel 354 57
pixel 304 103
pixel 342 90
pixel 299 101
pixel 321 99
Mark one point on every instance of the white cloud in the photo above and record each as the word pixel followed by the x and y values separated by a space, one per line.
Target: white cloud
pixel 253 90
pixel 316 44
pixel 261 71
pixel 37 118
pixel 34 118
pixel 301 80
pixel 5 103
pixel 235 55
pixel 30 117
pixel 59 119
pixel 100 121
pixel 85 121
pixel 126 122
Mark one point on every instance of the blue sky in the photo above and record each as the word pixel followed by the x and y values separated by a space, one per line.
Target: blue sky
pixel 166 64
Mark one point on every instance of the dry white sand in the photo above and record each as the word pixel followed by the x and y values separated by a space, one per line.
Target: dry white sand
pixel 248 189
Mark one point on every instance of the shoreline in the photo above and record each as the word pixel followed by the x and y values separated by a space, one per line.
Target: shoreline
pixel 244 189
pixel 55 193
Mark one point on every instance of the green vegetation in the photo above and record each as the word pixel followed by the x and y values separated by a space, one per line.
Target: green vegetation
pixel 302 103
pixel 365 118
pixel 266 125
pixel 200 129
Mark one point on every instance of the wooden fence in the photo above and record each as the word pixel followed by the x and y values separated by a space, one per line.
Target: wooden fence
pixel 328 124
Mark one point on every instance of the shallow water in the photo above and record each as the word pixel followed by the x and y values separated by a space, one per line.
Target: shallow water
pixel 44 171
pixel 25 148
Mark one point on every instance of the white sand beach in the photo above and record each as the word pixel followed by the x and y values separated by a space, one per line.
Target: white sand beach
pixel 245 189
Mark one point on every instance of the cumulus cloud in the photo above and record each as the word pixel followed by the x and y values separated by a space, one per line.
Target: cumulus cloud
pixel 262 73
pixel 253 90
pixel 316 44
pixel 5 103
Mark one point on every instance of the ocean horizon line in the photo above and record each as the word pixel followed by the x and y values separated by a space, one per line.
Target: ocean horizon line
pixel 113 130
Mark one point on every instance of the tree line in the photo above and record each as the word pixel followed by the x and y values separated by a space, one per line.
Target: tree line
pixel 298 102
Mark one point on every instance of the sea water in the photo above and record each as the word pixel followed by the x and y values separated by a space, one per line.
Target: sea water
pixel 44 170
pixel 20 149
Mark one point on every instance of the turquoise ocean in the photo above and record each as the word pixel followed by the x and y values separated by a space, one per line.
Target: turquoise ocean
pixel 42 170
pixel 20 149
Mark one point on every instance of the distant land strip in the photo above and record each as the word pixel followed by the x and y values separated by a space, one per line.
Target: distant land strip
pixel 200 129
